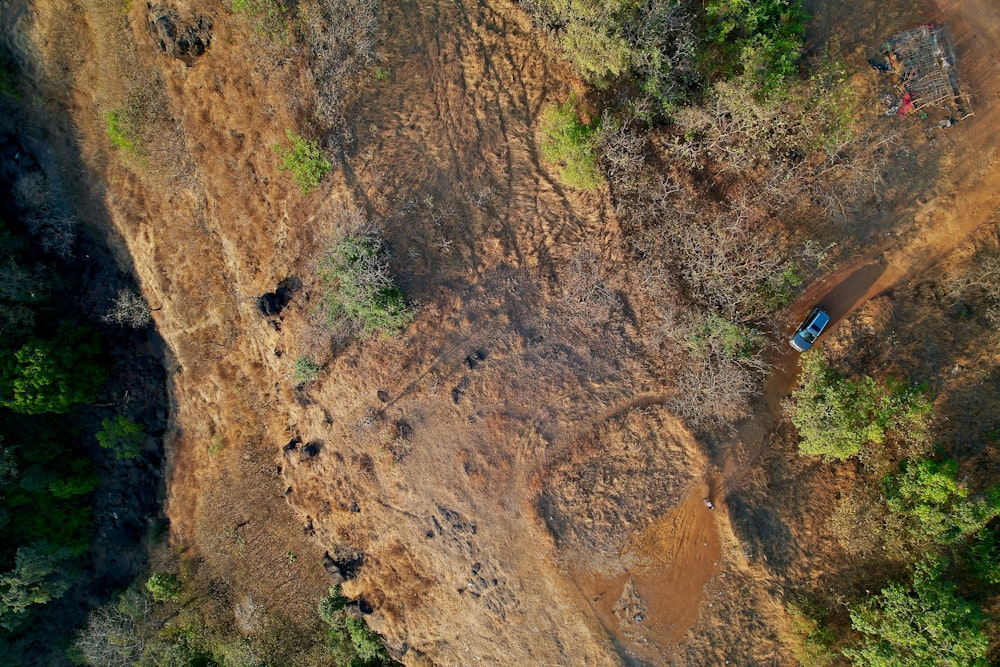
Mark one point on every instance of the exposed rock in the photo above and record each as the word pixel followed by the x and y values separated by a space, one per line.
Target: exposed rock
pixel 184 40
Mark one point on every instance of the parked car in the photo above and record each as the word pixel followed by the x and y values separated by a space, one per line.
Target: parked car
pixel 810 329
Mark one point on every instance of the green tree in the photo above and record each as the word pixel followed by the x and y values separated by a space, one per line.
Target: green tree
pixel 52 375
pixel 122 436
pixel 38 577
pixel 934 504
pixel 837 416
pixel 921 625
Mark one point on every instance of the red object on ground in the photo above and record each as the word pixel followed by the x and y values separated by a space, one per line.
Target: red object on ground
pixel 906 106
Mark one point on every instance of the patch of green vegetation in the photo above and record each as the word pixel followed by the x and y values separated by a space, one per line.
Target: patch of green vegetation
pixel 304 159
pixel 760 40
pixel 837 416
pixel 781 290
pixel 359 290
pixel 124 128
pixel 164 586
pixel 921 624
pixel 52 375
pixel 934 504
pixel 305 370
pixel 812 643
pixel 382 73
pixel 216 446
pixel 122 436
pixel 570 145
pixel 349 639
pixel 714 334
pixel 9 76
pixel 269 18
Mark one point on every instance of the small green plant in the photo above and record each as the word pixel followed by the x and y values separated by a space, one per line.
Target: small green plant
pixel 122 436
pixel 267 17
pixel 164 587
pixel 304 159
pixel 124 128
pixel 359 291
pixel 570 145
pixel 305 370
pixel 382 73
pixel 216 446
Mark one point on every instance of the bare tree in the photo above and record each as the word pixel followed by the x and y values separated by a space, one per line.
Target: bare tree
pixel 111 638
pixel 129 309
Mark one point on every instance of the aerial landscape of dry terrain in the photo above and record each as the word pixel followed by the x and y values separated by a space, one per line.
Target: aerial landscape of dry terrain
pixel 367 332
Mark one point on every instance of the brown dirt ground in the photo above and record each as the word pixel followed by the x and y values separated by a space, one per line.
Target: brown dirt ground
pixel 440 486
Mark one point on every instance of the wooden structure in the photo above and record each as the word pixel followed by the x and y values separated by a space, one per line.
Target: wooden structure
pixel 924 60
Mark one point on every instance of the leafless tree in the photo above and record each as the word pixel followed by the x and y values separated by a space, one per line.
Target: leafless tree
pixel 129 309
pixel 111 638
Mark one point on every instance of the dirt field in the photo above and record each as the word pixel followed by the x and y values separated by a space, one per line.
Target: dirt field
pixel 506 468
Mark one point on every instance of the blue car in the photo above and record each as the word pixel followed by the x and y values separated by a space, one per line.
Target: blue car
pixel 810 329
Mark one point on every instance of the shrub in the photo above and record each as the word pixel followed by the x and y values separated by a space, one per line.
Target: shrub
pixel 123 436
pixel 304 159
pixel 570 145
pixel 922 624
pixel 359 291
pixel 305 370
pixel 164 587
pixel 836 416
pixel 935 505
pixel 714 334
pixel 52 375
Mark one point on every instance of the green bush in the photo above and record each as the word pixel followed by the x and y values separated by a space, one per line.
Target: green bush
pixel 934 504
pixel 570 145
pixel 358 288
pixel 837 416
pixel 52 375
pixel 919 626
pixel 305 370
pixel 714 334
pixel 122 436
pixel 758 39
pixel 349 639
pixel 304 159
pixel 164 587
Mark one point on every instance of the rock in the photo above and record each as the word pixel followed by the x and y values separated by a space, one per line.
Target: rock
pixel 184 40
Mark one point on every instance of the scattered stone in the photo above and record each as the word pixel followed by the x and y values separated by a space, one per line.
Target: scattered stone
pixel 383 395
